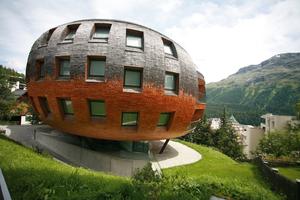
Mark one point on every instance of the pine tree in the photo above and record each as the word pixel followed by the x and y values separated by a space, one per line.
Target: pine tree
pixel 201 134
pixel 226 139
pixel 6 97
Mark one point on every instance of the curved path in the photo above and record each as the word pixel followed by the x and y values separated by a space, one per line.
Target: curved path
pixel 175 154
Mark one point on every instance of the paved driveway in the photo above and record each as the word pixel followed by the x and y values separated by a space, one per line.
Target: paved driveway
pixel 175 154
pixel 22 134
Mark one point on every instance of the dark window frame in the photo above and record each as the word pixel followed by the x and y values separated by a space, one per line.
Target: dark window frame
pixel 70 28
pixel 101 26
pixel 58 65
pixel 172 47
pixel 140 70
pixel 90 107
pixel 98 58
pixel 62 106
pixel 167 124
pixel 131 125
pixel 137 34
pixel 176 76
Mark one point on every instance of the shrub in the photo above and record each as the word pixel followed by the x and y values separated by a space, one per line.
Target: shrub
pixel 150 185
pixel 225 139
pixel 280 144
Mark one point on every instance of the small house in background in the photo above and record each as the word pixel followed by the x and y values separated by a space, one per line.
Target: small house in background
pixel 277 122
pixel 21 113
pixel 17 85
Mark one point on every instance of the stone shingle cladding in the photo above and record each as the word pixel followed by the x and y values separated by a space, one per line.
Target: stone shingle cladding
pixel 150 102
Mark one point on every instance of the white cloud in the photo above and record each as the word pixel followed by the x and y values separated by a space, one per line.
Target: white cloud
pixel 223 38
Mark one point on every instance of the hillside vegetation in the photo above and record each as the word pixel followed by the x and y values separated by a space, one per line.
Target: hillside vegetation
pixel 271 86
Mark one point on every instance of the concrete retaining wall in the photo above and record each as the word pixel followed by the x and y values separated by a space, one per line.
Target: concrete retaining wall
pixel 79 156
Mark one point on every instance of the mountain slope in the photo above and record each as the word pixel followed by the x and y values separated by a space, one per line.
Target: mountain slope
pixel 271 86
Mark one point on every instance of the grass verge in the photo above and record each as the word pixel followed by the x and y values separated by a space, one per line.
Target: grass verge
pixel 292 173
pixel 227 177
pixel 33 176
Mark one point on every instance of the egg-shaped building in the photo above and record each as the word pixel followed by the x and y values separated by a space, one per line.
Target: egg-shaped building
pixel 113 80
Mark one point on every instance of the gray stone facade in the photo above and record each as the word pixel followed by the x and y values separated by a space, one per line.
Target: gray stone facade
pixel 151 58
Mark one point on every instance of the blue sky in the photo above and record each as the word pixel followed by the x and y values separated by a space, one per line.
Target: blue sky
pixel 221 36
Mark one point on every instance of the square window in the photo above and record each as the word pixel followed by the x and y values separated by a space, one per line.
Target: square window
pixel 164 119
pixel 70 35
pixel 67 107
pixel 71 32
pixel 169 48
pixel 134 38
pixel 170 81
pixel 101 32
pixel 64 67
pixel 44 105
pixel 97 108
pixel 96 68
pixel 132 78
pixel 129 119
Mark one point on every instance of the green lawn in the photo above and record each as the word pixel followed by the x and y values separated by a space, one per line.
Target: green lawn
pixel 31 176
pixel 228 177
pixel 292 173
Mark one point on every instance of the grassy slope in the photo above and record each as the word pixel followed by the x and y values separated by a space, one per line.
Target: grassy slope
pixel 292 173
pixel 230 178
pixel 32 176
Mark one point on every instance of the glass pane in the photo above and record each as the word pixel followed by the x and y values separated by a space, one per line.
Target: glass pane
pixel 170 82
pixel 97 108
pixel 132 78
pixel 163 119
pixel 168 49
pixel 70 35
pixel 101 33
pixel 134 41
pixel 129 119
pixel 97 67
pixel 64 68
pixel 67 107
